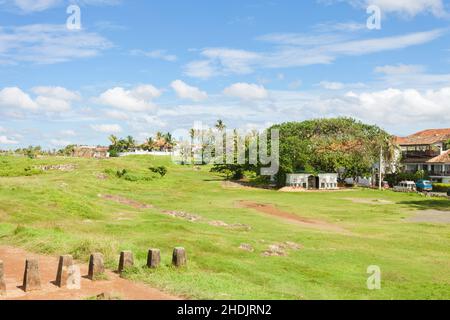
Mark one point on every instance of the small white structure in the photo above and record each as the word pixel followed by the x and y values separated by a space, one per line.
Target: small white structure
pixel 321 181
pixel 406 186
pixel 143 152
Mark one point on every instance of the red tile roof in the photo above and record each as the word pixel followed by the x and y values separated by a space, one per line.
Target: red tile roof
pixel 425 137
pixel 443 158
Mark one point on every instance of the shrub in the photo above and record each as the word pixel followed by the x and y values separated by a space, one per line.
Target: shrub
pixel 395 178
pixel 162 171
pixel 441 187
pixel 129 176
pixel 113 153
pixel 121 173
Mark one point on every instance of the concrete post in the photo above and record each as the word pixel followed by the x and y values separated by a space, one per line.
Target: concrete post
pixel 65 262
pixel 153 258
pixel 179 257
pixel 31 278
pixel 126 260
pixel 96 265
pixel 2 279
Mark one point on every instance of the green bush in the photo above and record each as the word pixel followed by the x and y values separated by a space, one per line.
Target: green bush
pixel 441 187
pixel 162 171
pixel 395 178
pixel 113 153
pixel 129 176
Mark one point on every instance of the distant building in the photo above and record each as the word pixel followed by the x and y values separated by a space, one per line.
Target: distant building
pixel 140 152
pixel 90 152
pixel 427 150
pixel 321 181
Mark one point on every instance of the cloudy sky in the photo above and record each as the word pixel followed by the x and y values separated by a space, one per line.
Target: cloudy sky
pixel 138 67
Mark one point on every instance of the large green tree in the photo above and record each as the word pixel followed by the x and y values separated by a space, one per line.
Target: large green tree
pixel 342 145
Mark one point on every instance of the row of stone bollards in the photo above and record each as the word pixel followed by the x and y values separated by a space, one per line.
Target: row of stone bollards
pixel 69 276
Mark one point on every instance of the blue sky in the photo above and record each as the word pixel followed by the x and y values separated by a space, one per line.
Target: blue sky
pixel 138 67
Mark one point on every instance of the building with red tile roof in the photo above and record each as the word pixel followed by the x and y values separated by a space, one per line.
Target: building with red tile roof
pixel 427 150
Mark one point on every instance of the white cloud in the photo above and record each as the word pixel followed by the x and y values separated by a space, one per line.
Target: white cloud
pixel 246 91
pixel 399 69
pixel 115 114
pixel 146 92
pixel 15 98
pixel 55 99
pixel 107 128
pixel 202 69
pixel 59 142
pixel 56 93
pixel 392 105
pixel 50 99
pixel 330 85
pixel 156 54
pixel 232 60
pixel 134 100
pixel 35 5
pixel 48 44
pixel 408 8
pixel 68 133
pixel 394 108
pixel 410 76
pixel 296 50
pixel 52 104
pixel 185 91
pixel 6 140
pixel 30 6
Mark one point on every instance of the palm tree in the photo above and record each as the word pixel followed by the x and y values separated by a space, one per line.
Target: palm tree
pixel 130 142
pixel 220 125
pixel 160 141
pixel 149 144
pixel 192 133
pixel 113 140
pixel 389 151
pixel 169 142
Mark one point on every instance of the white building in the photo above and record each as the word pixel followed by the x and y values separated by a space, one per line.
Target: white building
pixel 321 181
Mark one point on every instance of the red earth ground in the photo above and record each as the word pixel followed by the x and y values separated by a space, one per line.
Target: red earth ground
pixel 14 264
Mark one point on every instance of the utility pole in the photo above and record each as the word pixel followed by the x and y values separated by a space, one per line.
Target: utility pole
pixel 380 168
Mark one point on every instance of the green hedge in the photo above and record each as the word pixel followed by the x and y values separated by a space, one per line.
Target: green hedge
pixel 441 187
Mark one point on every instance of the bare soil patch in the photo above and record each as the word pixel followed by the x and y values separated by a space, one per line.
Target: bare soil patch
pixel 430 216
pixel 173 213
pixel 58 167
pixel 126 201
pixel 246 247
pixel 290 217
pixel 218 223
pixel 281 249
pixel 369 201
pixel 183 215
pixel 14 262
pixel 293 189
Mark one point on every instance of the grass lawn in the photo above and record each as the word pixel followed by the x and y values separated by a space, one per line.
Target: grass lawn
pixel 58 212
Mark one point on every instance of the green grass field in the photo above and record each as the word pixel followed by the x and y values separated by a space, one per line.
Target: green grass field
pixel 57 212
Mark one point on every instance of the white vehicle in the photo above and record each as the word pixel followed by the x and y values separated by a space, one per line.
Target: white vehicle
pixel 406 186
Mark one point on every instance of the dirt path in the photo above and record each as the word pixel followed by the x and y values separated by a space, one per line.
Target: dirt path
pixel 430 216
pixel 14 263
pixel 369 201
pixel 290 217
